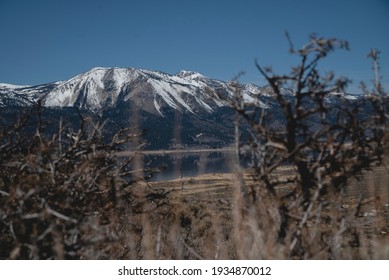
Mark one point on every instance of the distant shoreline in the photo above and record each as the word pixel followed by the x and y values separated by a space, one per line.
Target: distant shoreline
pixel 168 152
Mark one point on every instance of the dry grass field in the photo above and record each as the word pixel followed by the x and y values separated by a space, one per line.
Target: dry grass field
pixel 205 205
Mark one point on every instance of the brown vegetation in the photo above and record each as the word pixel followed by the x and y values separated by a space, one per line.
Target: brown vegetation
pixel 326 144
pixel 65 196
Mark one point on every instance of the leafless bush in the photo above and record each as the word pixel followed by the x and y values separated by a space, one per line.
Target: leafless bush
pixel 67 195
pixel 325 140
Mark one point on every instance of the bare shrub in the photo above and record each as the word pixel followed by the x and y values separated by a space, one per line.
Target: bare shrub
pixel 324 139
pixel 67 195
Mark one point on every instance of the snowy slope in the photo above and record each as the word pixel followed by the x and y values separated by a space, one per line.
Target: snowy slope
pixel 101 88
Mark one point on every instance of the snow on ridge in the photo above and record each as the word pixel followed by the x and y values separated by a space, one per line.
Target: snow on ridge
pixel 345 95
pixel 12 86
pixel 121 75
pixel 189 74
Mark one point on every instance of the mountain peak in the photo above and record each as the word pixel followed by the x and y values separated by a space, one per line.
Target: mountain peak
pixel 190 74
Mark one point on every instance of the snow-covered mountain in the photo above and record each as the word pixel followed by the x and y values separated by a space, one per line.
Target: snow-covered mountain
pixel 159 102
pixel 152 91
pixel 156 100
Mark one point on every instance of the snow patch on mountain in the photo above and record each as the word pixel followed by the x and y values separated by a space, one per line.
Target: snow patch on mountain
pixel 158 107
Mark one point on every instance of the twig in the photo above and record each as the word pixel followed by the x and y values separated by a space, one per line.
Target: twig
pixel 4 193
pixel 190 249
pixel 60 216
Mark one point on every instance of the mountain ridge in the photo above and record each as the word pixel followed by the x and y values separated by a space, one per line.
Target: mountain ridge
pixel 100 88
pixel 103 87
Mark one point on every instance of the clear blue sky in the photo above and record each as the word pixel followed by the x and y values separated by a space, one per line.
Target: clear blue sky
pixel 48 40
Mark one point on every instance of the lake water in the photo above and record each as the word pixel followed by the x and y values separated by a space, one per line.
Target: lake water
pixel 189 164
